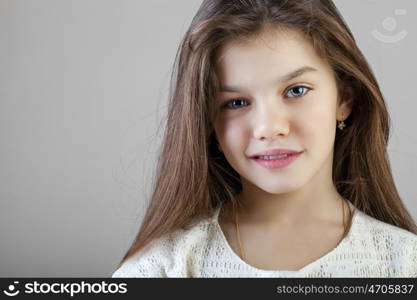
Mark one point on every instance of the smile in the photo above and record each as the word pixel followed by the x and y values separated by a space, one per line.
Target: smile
pixel 276 161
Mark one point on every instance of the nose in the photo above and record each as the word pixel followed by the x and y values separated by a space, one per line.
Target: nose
pixel 271 122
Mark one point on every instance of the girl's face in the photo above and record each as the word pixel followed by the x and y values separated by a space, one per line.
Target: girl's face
pixel 277 93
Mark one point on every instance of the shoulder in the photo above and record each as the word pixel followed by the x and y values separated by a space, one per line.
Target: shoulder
pixel 175 254
pixel 392 244
pixel 385 233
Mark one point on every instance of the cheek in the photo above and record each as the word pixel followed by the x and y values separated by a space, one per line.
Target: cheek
pixel 319 126
pixel 233 134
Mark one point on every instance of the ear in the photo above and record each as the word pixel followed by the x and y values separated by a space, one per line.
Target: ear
pixel 344 103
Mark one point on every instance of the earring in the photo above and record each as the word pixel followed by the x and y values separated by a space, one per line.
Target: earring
pixel 341 125
pixel 218 146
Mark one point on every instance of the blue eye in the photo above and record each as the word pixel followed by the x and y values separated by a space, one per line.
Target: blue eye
pixel 298 91
pixel 237 101
pixel 294 92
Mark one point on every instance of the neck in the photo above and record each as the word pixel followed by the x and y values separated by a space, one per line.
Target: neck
pixel 310 204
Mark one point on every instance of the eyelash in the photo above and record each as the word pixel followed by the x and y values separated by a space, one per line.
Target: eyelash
pixel 307 89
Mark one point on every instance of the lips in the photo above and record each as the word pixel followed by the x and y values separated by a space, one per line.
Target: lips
pixel 275 161
pixel 273 152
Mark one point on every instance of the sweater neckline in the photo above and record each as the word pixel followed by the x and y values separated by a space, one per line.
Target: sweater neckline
pixel 326 256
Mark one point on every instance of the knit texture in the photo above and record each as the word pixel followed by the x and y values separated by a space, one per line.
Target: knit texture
pixel 371 248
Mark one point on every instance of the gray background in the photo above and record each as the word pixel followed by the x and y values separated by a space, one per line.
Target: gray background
pixel 83 88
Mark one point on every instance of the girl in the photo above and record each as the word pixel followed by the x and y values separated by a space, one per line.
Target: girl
pixel 274 161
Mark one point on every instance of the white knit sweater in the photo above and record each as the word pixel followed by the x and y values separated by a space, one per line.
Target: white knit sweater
pixel 371 249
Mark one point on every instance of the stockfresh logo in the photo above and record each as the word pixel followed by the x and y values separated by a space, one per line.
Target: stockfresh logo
pixel 11 289
pixel 390 25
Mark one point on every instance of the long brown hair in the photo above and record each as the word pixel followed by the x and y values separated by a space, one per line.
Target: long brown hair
pixel 193 177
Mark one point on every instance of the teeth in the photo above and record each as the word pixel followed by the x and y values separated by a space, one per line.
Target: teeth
pixel 273 157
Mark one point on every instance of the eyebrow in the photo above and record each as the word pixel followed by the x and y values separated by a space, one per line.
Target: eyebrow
pixel 294 74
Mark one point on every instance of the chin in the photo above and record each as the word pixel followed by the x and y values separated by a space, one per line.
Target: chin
pixel 279 187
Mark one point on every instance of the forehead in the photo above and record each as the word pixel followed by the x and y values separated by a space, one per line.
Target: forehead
pixel 270 54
